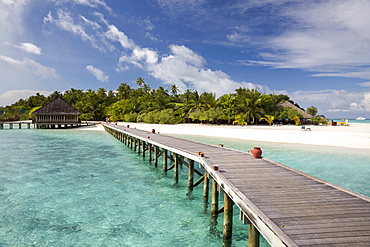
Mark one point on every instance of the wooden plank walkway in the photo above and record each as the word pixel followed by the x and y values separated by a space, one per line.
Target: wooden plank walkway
pixel 288 207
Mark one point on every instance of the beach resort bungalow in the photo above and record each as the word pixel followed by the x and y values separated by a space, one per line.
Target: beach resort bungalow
pixel 305 115
pixel 56 114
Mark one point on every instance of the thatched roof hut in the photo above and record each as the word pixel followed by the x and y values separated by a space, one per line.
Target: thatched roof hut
pixel 305 115
pixel 57 113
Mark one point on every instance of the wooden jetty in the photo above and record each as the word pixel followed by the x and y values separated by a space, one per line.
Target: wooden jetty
pixel 18 124
pixel 287 207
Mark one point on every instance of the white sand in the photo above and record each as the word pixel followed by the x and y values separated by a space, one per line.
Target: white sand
pixel 353 136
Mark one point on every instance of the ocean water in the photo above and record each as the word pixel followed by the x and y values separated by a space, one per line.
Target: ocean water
pixel 346 167
pixel 85 188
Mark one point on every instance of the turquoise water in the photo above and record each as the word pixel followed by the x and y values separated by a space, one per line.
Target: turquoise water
pixel 84 188
pixel 346 167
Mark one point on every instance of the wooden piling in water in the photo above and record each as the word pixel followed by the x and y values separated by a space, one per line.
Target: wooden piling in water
pixel 165 162
pixel 191 175
pixel 176 168
pixel 215 193
pixel 205 187
pixel 253 236
pixel 149 152
pixel 156 156
pixel 228 218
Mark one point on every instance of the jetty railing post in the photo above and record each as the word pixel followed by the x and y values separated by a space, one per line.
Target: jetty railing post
pixel 228 218
pixel 176 168
pixel 253 236
pixel 164 161
pixel 215 194
pixel 191 175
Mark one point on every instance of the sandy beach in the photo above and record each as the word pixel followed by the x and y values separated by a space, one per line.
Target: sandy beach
pixel 353 136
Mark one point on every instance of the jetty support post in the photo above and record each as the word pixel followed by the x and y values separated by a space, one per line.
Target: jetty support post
pixel 156 156
pixel 191 176
pixel 176 168
pixel 10 126
pixel 253 236
pixel 215 195
pixel 253 233
pixel 165 162
pixel 1 126
pixel 206 189
pixel 135 144
pixel 150 147
pixel 228 219
pixel 144 148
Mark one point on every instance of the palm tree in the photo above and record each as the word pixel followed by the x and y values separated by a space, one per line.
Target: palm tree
pixel 240 119
pixel 124 91
pixel 253 105
pixel 174 89
pixel 140 81
pixel 270 119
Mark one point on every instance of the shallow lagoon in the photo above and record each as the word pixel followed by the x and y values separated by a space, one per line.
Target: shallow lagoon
pixel 84 188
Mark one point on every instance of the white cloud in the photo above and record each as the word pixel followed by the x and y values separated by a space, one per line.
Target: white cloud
pixel 331 37
pixel 13 96
pixel 117 36
pixel 186 69
pixel 364 84
pixel 11 13
pixel 97 73
pixel 333 101
pixel 89 3
pixel 30 66
pixel 30 48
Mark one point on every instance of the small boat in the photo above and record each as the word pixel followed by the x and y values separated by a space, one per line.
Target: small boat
pixel 360 118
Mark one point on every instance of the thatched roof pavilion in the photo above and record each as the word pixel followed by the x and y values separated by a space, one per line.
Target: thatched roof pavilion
pixel 57 113
pixel 305 115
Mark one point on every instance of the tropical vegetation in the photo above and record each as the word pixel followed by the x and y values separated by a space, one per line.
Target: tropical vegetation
pixel 144 104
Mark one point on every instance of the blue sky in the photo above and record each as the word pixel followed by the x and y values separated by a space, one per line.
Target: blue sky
pixel 316 52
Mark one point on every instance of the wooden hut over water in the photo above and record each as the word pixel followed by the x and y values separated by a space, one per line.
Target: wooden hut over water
pixel 57 114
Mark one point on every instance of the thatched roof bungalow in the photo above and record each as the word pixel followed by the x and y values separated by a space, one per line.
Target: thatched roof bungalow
pixel 57 114
pixel 305 115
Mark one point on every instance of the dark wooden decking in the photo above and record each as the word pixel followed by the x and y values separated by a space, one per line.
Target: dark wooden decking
pixel 288 207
